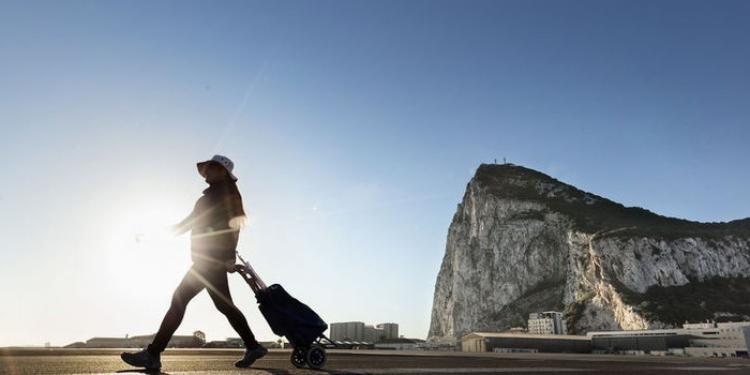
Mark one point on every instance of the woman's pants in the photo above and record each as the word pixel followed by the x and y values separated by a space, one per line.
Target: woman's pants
pixel 201 275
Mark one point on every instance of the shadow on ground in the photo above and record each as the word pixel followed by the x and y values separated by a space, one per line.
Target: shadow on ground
pixel 281 371
pixel 136 371
pixel 274 371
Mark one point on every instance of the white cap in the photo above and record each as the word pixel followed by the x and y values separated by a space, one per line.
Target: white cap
pixel 221 160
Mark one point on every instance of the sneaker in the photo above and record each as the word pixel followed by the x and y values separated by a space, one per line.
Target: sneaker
pixel 142 359
pixel 251 355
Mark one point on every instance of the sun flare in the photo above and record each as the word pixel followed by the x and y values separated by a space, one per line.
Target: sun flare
pixel 142 248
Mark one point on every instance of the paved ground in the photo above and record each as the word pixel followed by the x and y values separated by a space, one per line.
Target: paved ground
pixel 212 361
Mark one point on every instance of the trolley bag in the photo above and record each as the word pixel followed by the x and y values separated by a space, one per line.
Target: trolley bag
pixel 285 314
pixel 289 317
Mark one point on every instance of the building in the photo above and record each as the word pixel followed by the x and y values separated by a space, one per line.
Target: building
pixel 701 340
pixel 357 345
pixel 108 342
pixel 711 339
pixel 361 333
pixel 196 340
pixel 722 340
pixel 272 344
pixel 347 331
pixel 639 341
pixel 390 330
pixel 514 342
pixel 217 344
pixel 547 323
pixel 373 334
pixel 400 344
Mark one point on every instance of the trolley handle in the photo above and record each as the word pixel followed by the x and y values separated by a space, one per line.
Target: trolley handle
pixel 248 273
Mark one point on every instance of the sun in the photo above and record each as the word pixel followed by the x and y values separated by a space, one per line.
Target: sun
pixel 142 249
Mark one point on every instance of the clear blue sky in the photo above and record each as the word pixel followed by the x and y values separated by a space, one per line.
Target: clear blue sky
pixel 354 127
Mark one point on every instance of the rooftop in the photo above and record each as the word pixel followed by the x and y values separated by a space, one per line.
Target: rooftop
pixel 525 336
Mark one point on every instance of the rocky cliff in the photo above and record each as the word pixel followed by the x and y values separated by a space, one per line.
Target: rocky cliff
pixel 522 242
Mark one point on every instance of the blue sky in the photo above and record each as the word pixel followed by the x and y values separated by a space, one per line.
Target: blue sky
pixel 354 127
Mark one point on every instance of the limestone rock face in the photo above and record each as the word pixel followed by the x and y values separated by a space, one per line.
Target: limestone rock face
pixel 522 242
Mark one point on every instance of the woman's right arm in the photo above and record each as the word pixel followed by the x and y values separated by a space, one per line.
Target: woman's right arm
pixel 187 223
pixel 183 226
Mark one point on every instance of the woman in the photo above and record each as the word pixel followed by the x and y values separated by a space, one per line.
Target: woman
pixel 215 228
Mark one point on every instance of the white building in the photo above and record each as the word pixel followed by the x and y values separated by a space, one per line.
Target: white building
pixel 722 340
pixel 698 339
pixel 547 323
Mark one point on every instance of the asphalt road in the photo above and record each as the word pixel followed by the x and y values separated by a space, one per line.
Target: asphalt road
pixel 212 361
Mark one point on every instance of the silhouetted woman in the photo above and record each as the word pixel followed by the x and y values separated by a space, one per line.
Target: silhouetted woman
pixel 215 227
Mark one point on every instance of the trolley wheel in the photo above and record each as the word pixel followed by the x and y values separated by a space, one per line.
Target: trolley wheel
pixel 316 357
pixel 299 357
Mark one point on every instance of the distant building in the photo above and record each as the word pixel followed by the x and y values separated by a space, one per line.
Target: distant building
pixel 373 334
pixel 390 330
pixel 353 345
pixel 400 344
pixel 710 339
pixel 196 340
pixel 516 330
pixel 217 344
pixel 547 323
pixel 668 341
pixel 347 331
pixel 271 344
pixel 236 342
pixel 726 340
pixel 108 342
pixel 358 332
pixel 515 342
